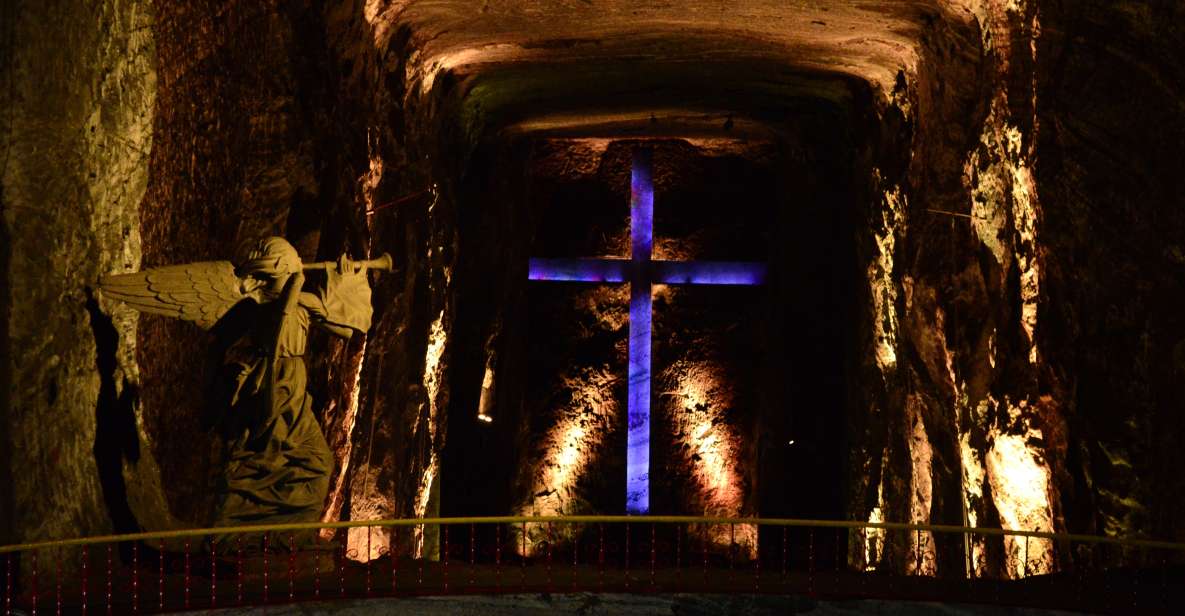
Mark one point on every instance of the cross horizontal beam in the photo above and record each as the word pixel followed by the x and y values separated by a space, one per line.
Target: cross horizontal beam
pixel 660 272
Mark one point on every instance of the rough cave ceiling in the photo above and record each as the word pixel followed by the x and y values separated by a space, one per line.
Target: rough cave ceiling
pixel 582 67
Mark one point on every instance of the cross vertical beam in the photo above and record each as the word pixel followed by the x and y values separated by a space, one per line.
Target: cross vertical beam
pixel 637 455
pixel 641 272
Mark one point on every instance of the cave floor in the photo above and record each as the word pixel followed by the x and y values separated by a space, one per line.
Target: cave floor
pixel 320 582
pixel 585 604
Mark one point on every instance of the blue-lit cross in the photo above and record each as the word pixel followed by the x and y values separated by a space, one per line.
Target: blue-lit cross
pixel 640 271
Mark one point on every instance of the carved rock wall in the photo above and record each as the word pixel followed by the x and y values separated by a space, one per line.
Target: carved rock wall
pixel 78 100
pixel 1017 354
pixel 965 424
pixel 1023 348
pixel 233 161
pixel 1111 124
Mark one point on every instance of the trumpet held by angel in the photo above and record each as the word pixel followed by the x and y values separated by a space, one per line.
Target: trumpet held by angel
pixel 278 463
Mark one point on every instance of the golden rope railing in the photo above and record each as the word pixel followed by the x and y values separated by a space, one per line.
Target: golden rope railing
pixel 598 519
pixel 497 554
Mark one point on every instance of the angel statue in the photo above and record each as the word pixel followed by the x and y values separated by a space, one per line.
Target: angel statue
pixel 278 463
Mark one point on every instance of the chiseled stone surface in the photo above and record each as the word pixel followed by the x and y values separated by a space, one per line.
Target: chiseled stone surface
pixel 78 99
pixel 1017 352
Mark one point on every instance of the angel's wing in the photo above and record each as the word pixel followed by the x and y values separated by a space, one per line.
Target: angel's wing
pixel 199 292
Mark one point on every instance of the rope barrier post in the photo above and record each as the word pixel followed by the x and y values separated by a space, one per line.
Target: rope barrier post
pixel 213 575
pixel 266 566
pixel 679 556
pixel 811 563
pixel 498 556
pixel 57 583
pixel 1136 576
pixel 341 563
pixel 85 565
pixel 575 556
pixel 601 557
pixel 33 556
pixel 110 576
pixel 395 559
pixel 974 564
pixel 369 558
pixel 291 566
pixel 653 557
pixel 446 550
pixel 8 584
pixel 704 549
pixel 472 554
pixel 523 559
pixel 997 581
pixel 316 577
pixel 186 576
pixel 1164 582
pixel 917 549
pixel 160 580
pixel 757 563
pixel 732 550
pixel 1106 581
pixel 420 556
pixel 239 567
pixel 785 554
pixel 550 543
pixel 838 555
pixel 627 556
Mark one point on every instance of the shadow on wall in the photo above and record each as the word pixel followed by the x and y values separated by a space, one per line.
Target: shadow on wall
pixel 116 438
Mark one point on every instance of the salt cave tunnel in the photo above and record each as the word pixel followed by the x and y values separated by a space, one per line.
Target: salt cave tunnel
pixel 971 212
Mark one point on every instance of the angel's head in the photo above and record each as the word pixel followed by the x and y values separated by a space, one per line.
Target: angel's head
pixel 269 266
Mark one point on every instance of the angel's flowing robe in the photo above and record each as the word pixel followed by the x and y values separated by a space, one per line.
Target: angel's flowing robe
pixel 278 463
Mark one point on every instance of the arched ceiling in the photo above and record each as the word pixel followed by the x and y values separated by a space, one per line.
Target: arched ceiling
pixel 579 66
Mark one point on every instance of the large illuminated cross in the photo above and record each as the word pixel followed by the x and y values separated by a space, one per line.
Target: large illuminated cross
pixel 640 271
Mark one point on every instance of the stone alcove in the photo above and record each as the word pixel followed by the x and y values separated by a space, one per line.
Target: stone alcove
pixel 748 382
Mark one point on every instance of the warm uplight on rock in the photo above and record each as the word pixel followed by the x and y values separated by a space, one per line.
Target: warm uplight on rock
pixel 1020 487
pixel 924 561
pixel 569 449
pixel 333 508
pixel 883 287
pixel 874 538
pixel 973 486
pixel 485 401
pixel 711 447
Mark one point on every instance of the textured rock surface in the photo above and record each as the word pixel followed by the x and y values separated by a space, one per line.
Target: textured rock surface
pixel 80 83
pixel 1111 128
pixel 707 342
pixel 233 161
pixel 1014 207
